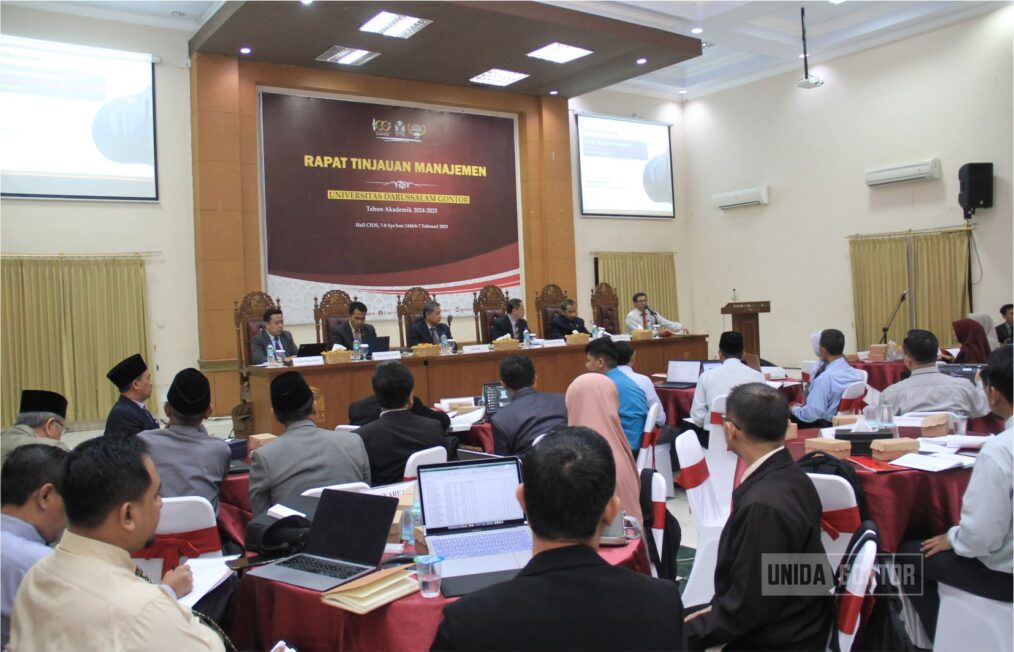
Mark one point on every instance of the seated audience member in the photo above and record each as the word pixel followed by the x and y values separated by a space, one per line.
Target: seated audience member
pixel 567 597
pixel 529 414
pixel 31 517
pixel 974 345
pixel 565 322
pixel 272 332
pixel 189 460
pixel 986 322
pixel 367 409
pixel 354 329
pixel 1005 331
pixel 41 420
pixel 129 414
pixel 975 555
pixel 513 323
pixel 88 593
pixel 428 329
pixel 720 381
pixel 775 511
pixel 398 433
pixel 643 317
pixel 815 343
pixel 602 358
pixel 928 390
pixel 625 356
pixel 827 384
pixel 592 403
pixel 304 456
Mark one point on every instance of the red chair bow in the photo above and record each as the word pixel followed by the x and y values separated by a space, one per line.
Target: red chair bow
pixel 716 418
pixel 851 607
pixel 836 521
pixel 693 475
pixel 170 547
pixel 852 404
pixel 648 440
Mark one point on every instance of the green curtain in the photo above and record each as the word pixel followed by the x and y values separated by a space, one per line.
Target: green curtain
pixel 879 276
pixel 652 273
pixel 940 263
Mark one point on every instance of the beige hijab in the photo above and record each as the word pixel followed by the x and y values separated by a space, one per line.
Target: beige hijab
pixel 987 326
pixel 592 402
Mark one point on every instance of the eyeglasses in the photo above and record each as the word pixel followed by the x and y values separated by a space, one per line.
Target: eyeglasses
pixel 726 419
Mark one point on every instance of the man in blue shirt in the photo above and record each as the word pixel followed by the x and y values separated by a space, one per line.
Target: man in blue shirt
pixel 827 384
pixel 602 358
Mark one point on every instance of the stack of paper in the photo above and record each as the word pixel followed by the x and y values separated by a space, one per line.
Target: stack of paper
pixel 465 420
pixel 372 591
pixel 208 572
pixel 933 462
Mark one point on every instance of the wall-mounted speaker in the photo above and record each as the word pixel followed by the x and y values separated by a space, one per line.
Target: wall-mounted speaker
pixel 976 187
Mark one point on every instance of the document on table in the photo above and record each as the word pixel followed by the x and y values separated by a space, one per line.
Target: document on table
pixel 281 511
pixel 209 572
pixel 933 462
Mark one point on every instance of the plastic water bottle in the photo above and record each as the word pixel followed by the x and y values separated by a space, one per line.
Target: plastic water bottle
pixel 443 344
pixel 595 331
pixel 271 354
pixel 528 340
pixel 355 350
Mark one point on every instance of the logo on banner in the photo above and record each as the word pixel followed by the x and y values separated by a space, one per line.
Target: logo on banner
pixel 398 131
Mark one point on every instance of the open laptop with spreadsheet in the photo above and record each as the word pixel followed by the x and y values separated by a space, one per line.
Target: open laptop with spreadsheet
pixel 474 521
pixel 347 539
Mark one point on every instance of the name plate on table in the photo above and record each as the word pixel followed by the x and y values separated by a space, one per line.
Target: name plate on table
pixel 551 343
pixel 475 348
pixel 387 355
pixel 307 360
pixel 620 338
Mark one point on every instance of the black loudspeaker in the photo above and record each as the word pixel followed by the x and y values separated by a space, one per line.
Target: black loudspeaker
pixel 976 187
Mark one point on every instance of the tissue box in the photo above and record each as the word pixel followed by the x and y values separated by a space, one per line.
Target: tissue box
pixel 640 334
pixel 576 338
pixel 886 450
pixel 935 425
pixel 421 350
pixel 844 419
pixel 860 441
pixel 792 431
pixel 506 345
pixel 333 357
pixel 878 353
pixel 256 441
pixel 835 447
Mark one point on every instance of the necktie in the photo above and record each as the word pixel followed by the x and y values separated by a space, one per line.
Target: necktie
pixel 644 320
pixel 278 345
pixel 433 334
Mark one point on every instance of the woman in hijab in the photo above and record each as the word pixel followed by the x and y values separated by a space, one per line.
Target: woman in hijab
pixel 592 402
pixel 987 326
pixel 974 346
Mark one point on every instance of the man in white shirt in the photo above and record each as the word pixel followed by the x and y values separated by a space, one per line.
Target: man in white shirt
pixel 717 382
pixel 928 390
pixel 644 318
pixel 976 554
pixel 625 355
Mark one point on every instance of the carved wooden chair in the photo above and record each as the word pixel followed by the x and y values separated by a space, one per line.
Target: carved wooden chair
pixel 248 317
pixel 332 310
pixel 606 308
pixel 410 307
pixel 547 304
pixel 487 305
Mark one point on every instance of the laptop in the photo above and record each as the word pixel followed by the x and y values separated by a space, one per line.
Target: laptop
pixel 309 350
pixel 347 539
pixel 473 520
pixel 682 374
pixel 380 344
pixel 966 371
pixel 466 455
pixel 752 360
pixel 708 365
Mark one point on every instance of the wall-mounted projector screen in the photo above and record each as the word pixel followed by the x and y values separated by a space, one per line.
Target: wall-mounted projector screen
pixel 624 167
pixel 78 122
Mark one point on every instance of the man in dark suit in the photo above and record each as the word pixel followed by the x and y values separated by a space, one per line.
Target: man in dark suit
pixel 391 439
pixel 367 410
pixel 1005 331
pixel 429 329
pixel 355 328
pixel 129 415
pixel 566 321
pixel 529 414
pixel 513 323
pixel 273 333
pixel 567 597
pixel 776 512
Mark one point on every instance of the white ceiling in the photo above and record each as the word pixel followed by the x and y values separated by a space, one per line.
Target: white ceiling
pixel 751 40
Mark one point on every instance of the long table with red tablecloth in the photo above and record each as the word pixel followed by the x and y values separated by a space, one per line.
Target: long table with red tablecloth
pixel 677 402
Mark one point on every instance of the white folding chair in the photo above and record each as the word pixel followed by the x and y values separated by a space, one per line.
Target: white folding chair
pixel 971 622
pixel 435 455
pixel 851 398
pixel 840 514
pixel 806 368
pixel 861 583
pixel 187 518
pixel 646 454
pixel 721 461
pixel 658 496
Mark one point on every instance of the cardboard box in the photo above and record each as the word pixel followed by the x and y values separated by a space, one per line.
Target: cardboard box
pixel 640 334
pixel 394 534
pixel 576 338
pixel 256 441
pixel 835 447
pixel 506 345
pixel 792 432
pixel 935 425
pixel 844 419
pixel 420 540
pixel 878 353
pixel 886 450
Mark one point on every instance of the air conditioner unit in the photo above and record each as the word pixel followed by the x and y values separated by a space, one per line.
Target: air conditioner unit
pixel 929 169
pixel 737 198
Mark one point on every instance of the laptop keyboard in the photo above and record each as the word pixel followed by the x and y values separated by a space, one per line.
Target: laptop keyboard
pixel 335 569
pixel 477 544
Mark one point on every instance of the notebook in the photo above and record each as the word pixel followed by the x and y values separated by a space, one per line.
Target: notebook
pixel 473 520
pixel 682 374
pixel 347 539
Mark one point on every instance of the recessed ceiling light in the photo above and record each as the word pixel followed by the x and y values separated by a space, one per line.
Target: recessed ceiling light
pixel 697 30
pixel 706 44
pixel 559 53
pixel 554 92
pixel 498 77
pixel 307 2
pixel 347 56
pixel 836 2
pixel 641 61
pixel 682 91
pixel 395 25
pixel 245 50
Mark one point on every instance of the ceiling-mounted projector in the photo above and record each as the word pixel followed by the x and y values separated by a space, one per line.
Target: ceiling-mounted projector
pixel 810 81
pixel 807 80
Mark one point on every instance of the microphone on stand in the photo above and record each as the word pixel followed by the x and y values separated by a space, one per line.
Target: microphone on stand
pixel 649 309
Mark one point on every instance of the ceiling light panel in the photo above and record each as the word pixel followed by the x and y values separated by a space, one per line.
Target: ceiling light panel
pixel 395 25
pixel 498 77
pixel 347 56
pixel 559 53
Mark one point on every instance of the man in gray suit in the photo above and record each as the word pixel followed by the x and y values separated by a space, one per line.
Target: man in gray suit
pixel 272 333
pixel 354 328
pixel 189 460
pixel 305 456
pixel 529 414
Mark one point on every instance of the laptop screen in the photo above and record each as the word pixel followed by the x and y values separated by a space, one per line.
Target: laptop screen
pixel 708 365
pixel 683 371
pixel 465 495
pixel 351 526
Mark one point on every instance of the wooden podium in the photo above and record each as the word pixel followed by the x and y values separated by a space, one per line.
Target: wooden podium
pixel 746 323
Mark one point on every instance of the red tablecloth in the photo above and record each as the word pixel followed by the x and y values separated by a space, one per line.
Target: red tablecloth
pixel 481 434
pixel 677 402
pixel 906 504
pixel 881 374
pixel 268 611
